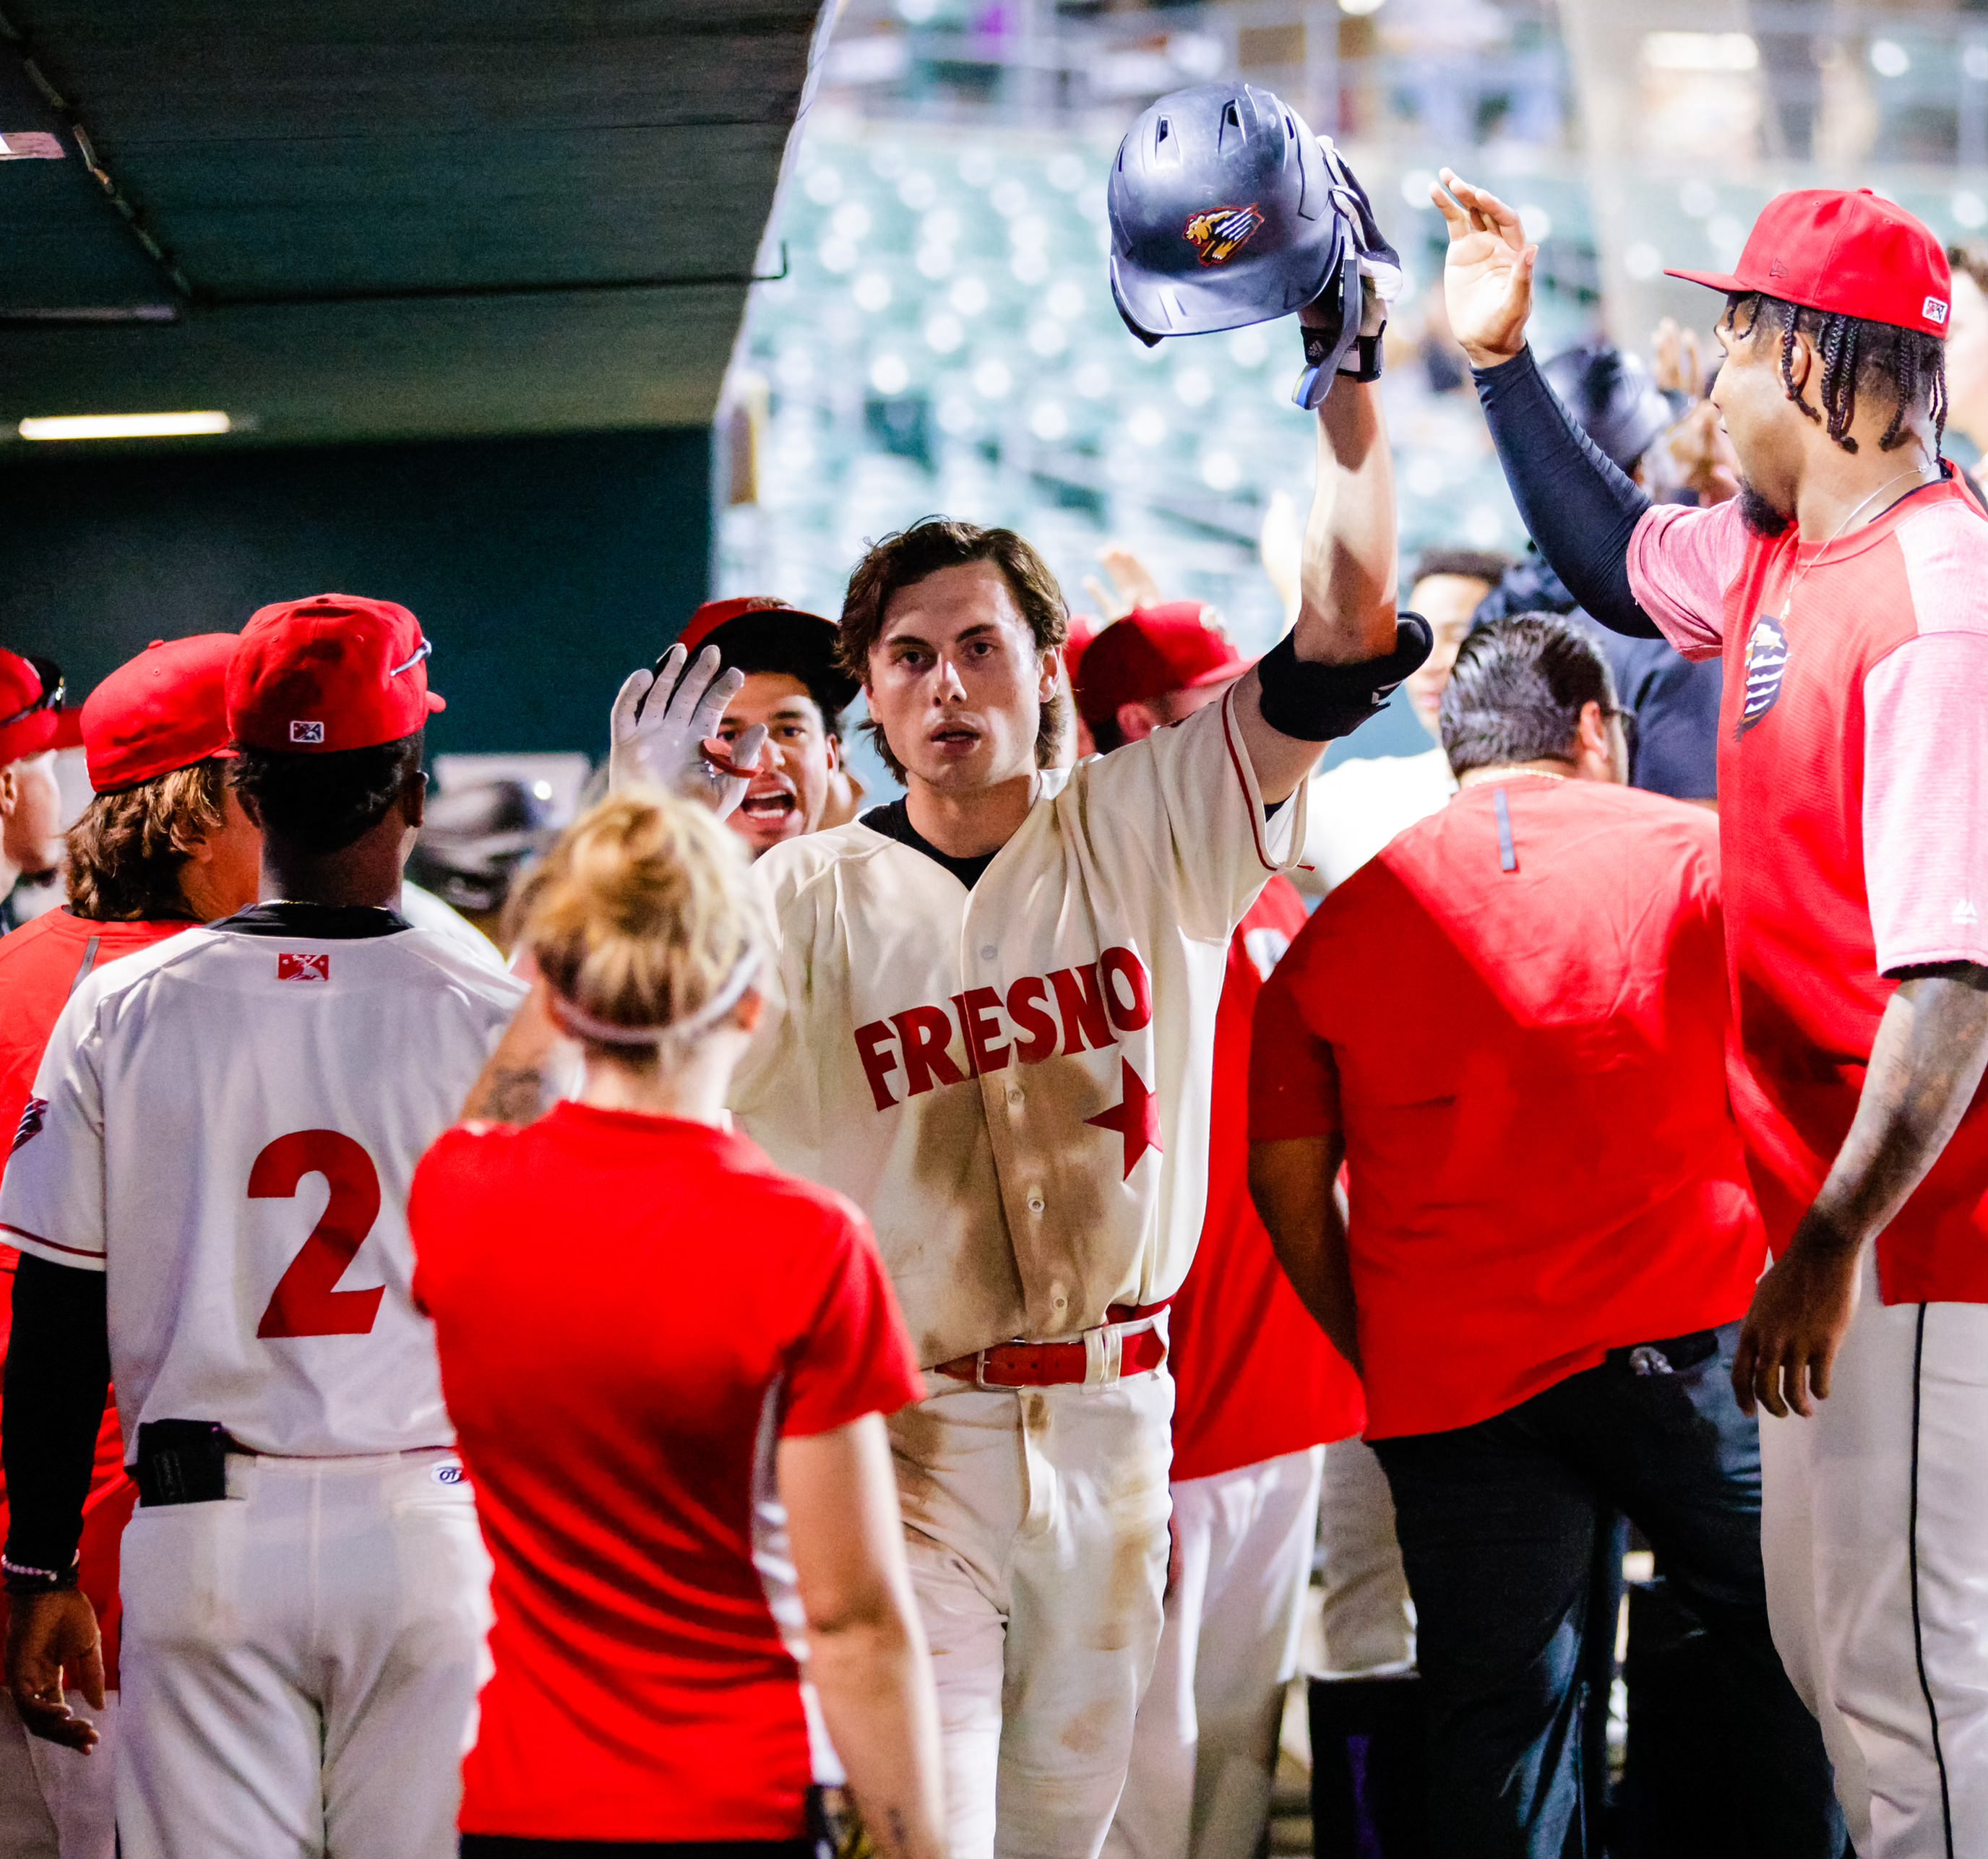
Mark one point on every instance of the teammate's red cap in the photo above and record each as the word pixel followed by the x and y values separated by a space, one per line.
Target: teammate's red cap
pixel 335 671
pixel 1853 254
pixel 165 709
pixel 1175 645
pixel 763 634
pixel 32 718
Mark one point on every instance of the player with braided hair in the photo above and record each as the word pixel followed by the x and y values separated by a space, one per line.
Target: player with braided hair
pixel 1906 366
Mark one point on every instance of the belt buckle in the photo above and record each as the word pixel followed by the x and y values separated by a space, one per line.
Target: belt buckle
pixel 980 1372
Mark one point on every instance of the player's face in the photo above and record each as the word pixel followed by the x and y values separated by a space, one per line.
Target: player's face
pixel 956 683
pixel 30 816
pixel 790 794
pixel 1446 601
pixel 1766 427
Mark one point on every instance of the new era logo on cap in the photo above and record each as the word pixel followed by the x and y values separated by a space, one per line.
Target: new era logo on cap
pixel 302 731
pixel 304 967
pixel 1935 309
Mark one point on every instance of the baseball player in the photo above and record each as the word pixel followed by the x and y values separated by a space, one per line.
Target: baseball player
pixel 33 725
pixel 162 845
pixel 1844 587
pixel 1257 1387
pixel 998 1041
pixel 793 689
pixel 208 1192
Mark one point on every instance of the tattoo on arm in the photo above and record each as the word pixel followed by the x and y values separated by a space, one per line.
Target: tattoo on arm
pixel 505 1094
pixel 1927 1061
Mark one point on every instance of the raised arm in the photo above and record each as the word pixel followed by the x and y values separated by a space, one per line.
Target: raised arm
pixel 1927 1063
pixel 1576 505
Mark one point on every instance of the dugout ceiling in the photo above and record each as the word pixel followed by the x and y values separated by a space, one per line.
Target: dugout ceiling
pixel 375 219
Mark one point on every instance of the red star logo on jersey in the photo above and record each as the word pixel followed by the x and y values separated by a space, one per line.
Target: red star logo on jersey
pixel 1136 1118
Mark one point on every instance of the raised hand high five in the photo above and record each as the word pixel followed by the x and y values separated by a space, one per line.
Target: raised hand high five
pixel 1487 277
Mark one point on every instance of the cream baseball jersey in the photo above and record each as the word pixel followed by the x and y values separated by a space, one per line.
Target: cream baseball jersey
pixel 1013 1082
pixel 228 1125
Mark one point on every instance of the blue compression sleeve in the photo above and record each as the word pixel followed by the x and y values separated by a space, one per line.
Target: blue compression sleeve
pixel 1576 505
pixel 58 1378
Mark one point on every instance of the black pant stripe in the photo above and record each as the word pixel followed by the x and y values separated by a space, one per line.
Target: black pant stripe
pixel 1912 1549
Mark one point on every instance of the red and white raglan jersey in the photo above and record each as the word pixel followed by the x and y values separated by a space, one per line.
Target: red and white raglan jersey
pixel 228 1125
pixel 1014 1082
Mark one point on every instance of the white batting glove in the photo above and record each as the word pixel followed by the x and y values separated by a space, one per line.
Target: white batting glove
pixel 663 732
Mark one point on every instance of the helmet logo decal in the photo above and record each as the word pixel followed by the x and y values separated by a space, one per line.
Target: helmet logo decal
pixel 1220 233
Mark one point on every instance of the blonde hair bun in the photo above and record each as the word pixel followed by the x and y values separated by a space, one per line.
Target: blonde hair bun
pixel 642 913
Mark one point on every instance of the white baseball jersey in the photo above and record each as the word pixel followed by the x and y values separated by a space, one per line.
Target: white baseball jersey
pixel 1013 1082
pixel 229 1123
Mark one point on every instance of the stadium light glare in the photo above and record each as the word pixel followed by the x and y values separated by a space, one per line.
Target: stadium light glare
pixel 125 426
pixel 1701 51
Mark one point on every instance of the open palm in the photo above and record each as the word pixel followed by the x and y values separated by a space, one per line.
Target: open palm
pixel 1487 275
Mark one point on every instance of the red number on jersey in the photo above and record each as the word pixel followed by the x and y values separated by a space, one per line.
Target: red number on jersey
pixel 305 1301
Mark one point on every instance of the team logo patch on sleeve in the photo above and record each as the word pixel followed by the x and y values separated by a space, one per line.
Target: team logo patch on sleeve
pixel 31 1120
pixel 1220 233
pixel 304 967
pixel 1767 659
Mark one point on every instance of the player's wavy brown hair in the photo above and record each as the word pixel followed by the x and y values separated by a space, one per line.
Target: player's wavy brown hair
pixel 641 916
pixel 900 560
pixel 127 853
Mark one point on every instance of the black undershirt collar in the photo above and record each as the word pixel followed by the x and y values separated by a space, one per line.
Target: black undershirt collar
pixel 894 821
pixel 315 922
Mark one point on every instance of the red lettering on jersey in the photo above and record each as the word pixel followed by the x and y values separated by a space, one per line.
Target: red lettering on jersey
pixel 980 1011
pixel 304 967
pixel 872 1047
pixel 306 1301
pixel 1025 1009
pixel 1081 1000
pixel 1119 965
pixel 925 1033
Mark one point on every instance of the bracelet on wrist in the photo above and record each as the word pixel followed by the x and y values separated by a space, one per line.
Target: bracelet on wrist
pixel 25 1578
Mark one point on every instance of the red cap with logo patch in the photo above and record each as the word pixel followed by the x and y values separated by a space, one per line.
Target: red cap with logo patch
pixel 32 718
pixel 1853 254
pixel 335 671
pixel 166 709
pixel 756 633
pixel 1175 645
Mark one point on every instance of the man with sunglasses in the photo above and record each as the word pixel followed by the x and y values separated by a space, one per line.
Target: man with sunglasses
pixel 33 725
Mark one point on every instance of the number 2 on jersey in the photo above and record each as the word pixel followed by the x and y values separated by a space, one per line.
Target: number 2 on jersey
pixel 305 1301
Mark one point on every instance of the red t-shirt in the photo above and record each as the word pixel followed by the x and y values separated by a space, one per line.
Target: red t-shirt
pixel 40 965
pixel 632 1311
pixel 1528 1068
pixel 1254 1376
pixel 1853 778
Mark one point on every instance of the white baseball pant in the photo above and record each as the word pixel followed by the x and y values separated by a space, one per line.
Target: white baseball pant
pixel 57 1803
pixel 1205 1748
pixel 1035 1524
pixel 1875 1532
pixel 301 1661
pixel 1366 1622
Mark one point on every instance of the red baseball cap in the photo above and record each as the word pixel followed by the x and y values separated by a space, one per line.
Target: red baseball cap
pixel 165 709
pixel 1852 254
pixel 1176 645
pixel 32 718
pixel 756 633
pixel 335 671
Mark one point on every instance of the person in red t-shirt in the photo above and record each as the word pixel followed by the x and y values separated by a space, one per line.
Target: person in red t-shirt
pixel 1552 1239
pixel 162 845
pixel 1258 1391
pixel 1846 589
pixel 677 1440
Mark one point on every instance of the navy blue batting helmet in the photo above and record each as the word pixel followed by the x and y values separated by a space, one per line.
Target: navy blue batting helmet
pixel 1222 215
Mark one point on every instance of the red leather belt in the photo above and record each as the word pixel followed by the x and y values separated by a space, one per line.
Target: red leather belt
pixel 1061 1365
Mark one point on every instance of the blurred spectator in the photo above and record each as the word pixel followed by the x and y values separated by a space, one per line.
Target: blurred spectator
pixel 1672 705
pixel 33 725
pixel 1356 806
pixel 1967 347
pixel 474 841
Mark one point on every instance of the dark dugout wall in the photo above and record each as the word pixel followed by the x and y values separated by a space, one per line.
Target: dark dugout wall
pixel 544 570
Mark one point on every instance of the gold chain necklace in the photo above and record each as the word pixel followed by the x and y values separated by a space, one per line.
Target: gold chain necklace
pixel 1788 599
